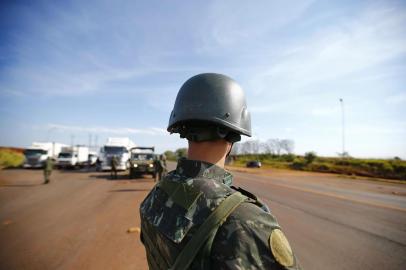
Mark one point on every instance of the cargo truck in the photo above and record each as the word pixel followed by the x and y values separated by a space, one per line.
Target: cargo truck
pixel 38 152
pixel 118 147
pixel 73 157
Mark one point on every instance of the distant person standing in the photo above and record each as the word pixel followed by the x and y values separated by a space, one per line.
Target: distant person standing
pixel 131 164
pixel 89 162
pixel 114 164
pixel 48 170
pixel 159 168
pixel 163 161
pixel 98 164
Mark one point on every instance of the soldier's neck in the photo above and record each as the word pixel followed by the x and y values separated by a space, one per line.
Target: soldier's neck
pixel 213 152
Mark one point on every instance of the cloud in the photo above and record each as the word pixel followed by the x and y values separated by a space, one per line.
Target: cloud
pixel 230 22
pixel 336 51
pixel 99 129
pixel 396 99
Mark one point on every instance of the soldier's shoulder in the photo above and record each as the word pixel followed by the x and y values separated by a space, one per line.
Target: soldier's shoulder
pixel 252 237
pixel 249 213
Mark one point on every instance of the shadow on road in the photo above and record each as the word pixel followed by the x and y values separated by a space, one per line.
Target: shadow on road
pixel 22 185
pixel 131 190
pixel 121 177
pixel 73 170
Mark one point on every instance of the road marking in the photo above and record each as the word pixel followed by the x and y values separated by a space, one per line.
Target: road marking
pixel 337 196
pixel 7 222
pixel 133 230
pixel 343 197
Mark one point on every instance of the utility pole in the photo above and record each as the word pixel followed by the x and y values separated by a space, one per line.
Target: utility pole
pixel 90 140
pixel 343 153
pixel 72 139
pixel 96 143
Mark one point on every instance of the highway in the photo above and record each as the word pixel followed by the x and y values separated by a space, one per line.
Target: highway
pixel 80 220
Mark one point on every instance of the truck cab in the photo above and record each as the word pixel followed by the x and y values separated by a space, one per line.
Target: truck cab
pixel 118 147
pixel 120 152
pixel 73 157
pixel 38 152
pixel 142 161
pixel 35 157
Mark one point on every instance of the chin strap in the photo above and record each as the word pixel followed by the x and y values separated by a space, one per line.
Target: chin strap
pixel 231 148
pixel 208 133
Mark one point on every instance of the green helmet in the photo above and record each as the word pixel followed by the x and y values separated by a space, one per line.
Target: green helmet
pixel 210 106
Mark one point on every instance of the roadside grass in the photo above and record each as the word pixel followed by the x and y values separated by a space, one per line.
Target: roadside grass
pixel 374 168
pixel 10 158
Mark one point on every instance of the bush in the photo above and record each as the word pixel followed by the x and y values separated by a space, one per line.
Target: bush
pixel 288 157
pixel 320 167
pixel 9 159
pixel 298 164
pixel 170 155
pixel 310 157
pixel 181 152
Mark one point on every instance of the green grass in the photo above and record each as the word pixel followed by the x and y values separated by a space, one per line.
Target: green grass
pixel 10 159
pixel 378 168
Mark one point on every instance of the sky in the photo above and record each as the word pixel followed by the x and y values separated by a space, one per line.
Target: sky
pixel 81 71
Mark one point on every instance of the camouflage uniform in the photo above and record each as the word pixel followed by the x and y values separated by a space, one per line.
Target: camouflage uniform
pixel 160 168
pixel 172 213
pixel 114 164
pixel 48 170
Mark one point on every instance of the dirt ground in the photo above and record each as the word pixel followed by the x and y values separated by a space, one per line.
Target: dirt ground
pixel 81 219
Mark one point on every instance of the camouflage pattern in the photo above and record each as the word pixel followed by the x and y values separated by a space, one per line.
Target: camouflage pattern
pixel 177 206
pixel 114 164
pixel 48 166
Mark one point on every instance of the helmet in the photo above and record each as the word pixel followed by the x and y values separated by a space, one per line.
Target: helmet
pixel 210 106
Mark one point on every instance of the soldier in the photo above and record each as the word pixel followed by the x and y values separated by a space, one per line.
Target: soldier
pixel 158 168
pixel 163 162
pixel 48 166
pixel 131 164
pixel 114 164
pixel 194 218
pixel 98 164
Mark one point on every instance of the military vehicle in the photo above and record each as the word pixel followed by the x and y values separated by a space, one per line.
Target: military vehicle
pixel 142 161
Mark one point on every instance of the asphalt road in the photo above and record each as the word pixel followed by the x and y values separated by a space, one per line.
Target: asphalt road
pixel 80 220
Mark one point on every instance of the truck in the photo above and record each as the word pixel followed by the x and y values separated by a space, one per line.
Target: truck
pixel 73 157
pixel 36 154
pixel 118 147
pixel 142 161
pixel 93 156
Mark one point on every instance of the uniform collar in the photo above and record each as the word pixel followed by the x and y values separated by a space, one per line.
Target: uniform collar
pixel 197 168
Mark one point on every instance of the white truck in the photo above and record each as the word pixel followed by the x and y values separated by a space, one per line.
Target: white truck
pixel 118 147
pixel 73 157
pixel 93 156
pixel 38 152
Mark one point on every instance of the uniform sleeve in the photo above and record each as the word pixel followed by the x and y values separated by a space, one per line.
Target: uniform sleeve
pixel 251 239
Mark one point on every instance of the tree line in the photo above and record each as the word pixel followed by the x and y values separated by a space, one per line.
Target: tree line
pixel 270 146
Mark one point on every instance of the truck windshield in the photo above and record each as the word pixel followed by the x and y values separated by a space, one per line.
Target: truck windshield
pixel 114 150
pixel 142 156
pixel 65 155
pixel 34 152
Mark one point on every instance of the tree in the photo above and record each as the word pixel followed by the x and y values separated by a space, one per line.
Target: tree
pixel 310 157
pixel 287 145
pixel 273 146
pixel 170 155
pixel 236 150
pixel 181 152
